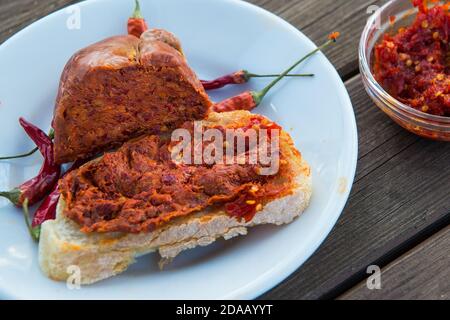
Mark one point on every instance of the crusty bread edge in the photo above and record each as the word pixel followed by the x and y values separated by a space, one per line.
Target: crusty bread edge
pixel 100 256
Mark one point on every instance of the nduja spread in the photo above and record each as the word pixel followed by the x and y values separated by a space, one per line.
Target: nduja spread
pixel 123 87
pixel 139 187
pixel 414 64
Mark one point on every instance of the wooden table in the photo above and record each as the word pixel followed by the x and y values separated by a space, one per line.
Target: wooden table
pixel 398 213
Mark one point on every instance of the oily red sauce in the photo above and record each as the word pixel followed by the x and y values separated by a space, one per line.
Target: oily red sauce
pixel 414 64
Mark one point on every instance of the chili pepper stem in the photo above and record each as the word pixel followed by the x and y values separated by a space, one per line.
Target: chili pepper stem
pixel 253 75
pixel 137 14
pixel 13 195
pixel 23 155
pixel 51 135
pixel 34 232
pixel 259 95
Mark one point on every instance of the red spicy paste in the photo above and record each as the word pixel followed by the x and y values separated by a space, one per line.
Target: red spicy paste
pixel 413 65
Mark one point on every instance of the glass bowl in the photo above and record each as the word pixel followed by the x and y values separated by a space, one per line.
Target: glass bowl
pixel 420 123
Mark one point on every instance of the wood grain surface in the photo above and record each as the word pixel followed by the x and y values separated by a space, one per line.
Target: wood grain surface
pixel 400 196
pixel 422 273
pixel 400 200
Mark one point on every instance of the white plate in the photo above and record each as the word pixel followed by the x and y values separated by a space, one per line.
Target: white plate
pixel 219 37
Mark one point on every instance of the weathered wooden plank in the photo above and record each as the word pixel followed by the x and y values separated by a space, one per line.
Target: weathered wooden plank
pixel 421 273
pixel 401 190
pixel 17 14
pixel 318 18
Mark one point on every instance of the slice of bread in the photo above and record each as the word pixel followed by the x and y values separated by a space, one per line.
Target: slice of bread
pixel 102 255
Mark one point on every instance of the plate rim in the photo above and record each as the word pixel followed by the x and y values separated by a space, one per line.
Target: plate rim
pixel 282 271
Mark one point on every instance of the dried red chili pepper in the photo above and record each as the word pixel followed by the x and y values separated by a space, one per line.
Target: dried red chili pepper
pixel 249 100
pixel 38 187
pixel 136 23
pixel 137 26
pixel 47 209
pixel 239 77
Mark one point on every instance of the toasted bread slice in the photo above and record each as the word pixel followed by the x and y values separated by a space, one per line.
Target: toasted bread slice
pixel 103 255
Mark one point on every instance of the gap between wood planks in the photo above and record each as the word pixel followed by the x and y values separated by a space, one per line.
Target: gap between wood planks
pixel 403 248
pixel 390 257
pixel 421 273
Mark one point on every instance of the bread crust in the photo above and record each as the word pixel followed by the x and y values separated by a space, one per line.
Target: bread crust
pixel 103 255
